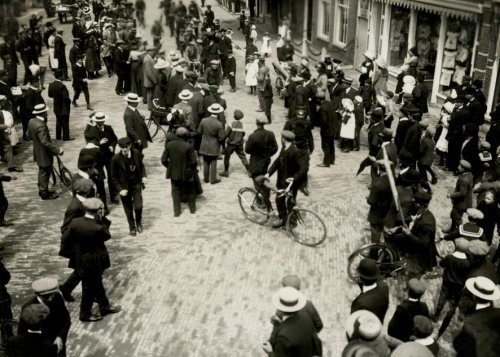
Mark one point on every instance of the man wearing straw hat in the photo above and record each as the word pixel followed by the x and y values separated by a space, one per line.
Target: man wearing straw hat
pixel 149 74
pixel 212 132
pixel 44 150
pixel 135 126
pixel 62 105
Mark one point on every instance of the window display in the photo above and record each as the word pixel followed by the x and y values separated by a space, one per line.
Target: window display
pixel 398 35
pixel 427 38
pixel 457 52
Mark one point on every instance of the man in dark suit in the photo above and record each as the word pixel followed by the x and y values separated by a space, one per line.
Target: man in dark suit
pixel 121 66
pixel 401 324
pixel 294 94
pixel 296 334
pixel 290 164
pixel 480 334
pixel 326 116
pixel 386 144
pixel 212 136
pixel 43 150
pixel 174 86
pixel 349 92
pixel 412 140
pixel 470 148
pixel 375 128
pixel 31 97
pixel 83 189
pixel 455 136
pixel 62 106
pixel 106 139
pixel 56 326
pixel 4 203
pixel 89 233
pixel 461 199
pixel 380 199
pixel 420 94
pixel 60 54
pixel 476 108
pixel 261 146
pixel 33 342
pixel 374 295
pixel 74 52
pixel 80 82
pixel 180 160
pixel 135 126
pixel 129 177
pixel 404 124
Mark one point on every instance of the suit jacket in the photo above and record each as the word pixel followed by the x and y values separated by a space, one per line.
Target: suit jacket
pixel 412 141
pixel 374 140
pixel 462 197
pixel 43 147
pixel 401 324
pixel 62 101
pixel 30 345
pixel 296 337
pixel 119 171
pixel 380 199
pixel 350 94
pixel 326 115
pixel 79 77
pixel 88 235
pixel 120 65
pixel 180 160
pixel 95 153
pixel 290 163
pixel 426 151
pixel 149 71
pixel 136 127
pixel 477 110
pixel 108 133
pixel 31 97
pixel 375 300
pixel 74 210
pixel 402 129
pixel 480 334
pixel 261 146
pixel 174 87
pixel 197 105
pixel 213 135
pixel 59 49
pixel 58 322
pixel 420 94
pixel 421 244
pixel 470 153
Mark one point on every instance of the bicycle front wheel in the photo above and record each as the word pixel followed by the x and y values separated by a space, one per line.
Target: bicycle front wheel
pixel 253 205
pixel 66 178
pixel 306 227
pixel 152 127
pixel 383 256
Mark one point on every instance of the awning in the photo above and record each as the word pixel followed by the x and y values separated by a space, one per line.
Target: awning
pixel 468 10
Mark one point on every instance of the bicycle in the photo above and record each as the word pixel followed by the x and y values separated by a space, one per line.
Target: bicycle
pixel 303 225
pixel 63 175
pixel 154 122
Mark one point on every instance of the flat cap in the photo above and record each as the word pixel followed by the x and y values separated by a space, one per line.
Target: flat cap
pixel 478 248
pixel 33 315
pixel 422 197
pixel 416 287
pixel 288 135
pixel 465 164
pixel 474 213
pixel 484 144
pixel 125 141
pixel 412 349
pixel 181 131
pixel 83 186
pixel 424 123
pixel 45 286
pixel 462 245
pixel 93 204
pixel 422 326
pixel 291 280
pixel 261 120
pixel 238 114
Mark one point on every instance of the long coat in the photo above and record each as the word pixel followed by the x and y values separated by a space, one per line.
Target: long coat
pixel 62 101
pixel 119 171
pixel 380 199
pixel 136 127
pixel 375 300
pixel 290 163
pixel 180 160
pixel 401 324
pixel 67 249
pixel 149 71
pixel 422 247
pixel 326 116
pixel 261 146
pixel 43 147
pixel 213 135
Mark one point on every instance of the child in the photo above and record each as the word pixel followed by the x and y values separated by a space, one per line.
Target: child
pixel 485 156
pixel 252 69
pixel 249 51
pixel 491 212
pixel 348 126
pixel 234 142
pixel 422 333
pixel 243 17
pixel 231 70
pixel 266 48
pixel 442 132
pixel 427 158
pixel 359 115
pixel 368 94
pixel 253 33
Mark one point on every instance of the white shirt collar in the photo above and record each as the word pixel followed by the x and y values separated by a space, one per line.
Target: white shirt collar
pixel 83 174
pixel 91 146
pixel 425 341
pixel 459 255
pixel 88 215
pixel 80 198
pixel 367 288
pixel 40 118
pixel 32 331
pixel 412 299
pixel 480 306
pixel 132 108
pixel 404 170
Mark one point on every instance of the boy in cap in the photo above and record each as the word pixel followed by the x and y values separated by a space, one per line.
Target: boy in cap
pixel 129 177
pixel 231 70
pixel 55 326
pixel 401 324
pixel 212 73
pixel 461 199
pixel 422 333
pixel 234 142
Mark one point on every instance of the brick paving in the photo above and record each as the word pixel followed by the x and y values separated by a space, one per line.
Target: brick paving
pixel 199 285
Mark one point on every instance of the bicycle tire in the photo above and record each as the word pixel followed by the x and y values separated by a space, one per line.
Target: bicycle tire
pixel 306 227
pixel 66 178
pixel 385 259
pixel 253 205
pixel 54 176
pixel 153 129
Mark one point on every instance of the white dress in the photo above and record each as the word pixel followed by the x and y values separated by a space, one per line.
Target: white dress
pixel 347 130
pixel 251 76
pixel 53 62
pixel 266 48
pixel 442 143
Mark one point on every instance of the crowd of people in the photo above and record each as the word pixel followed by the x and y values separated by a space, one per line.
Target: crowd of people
pixel 183 90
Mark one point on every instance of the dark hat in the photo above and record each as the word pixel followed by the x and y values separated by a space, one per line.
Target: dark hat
pixel 408 95
pixel 347 80
pixel 422 197
pixel 93 204
pixel 90 136
pixel 238 114
pixel 422 326
pixel 288 135
pixel 33 315
pixel 416 288
pixel 466 78
pixel 191 75
pixel 377 114
pixel 306 75
pixel 229 51
pixel 83 186
pixel 478 248
pixel 85 162
pixel 368 269
pixel 124 142
pixel 411 176
pixel 470 231
pixel 337 61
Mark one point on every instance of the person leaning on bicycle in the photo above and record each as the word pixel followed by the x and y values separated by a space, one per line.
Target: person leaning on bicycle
pixel 289 164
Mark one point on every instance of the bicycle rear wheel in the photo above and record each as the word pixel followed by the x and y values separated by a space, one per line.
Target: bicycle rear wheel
pixel 383 255
pixel 66 178
pixel 306 227
pixel 254 205
pixel 152 127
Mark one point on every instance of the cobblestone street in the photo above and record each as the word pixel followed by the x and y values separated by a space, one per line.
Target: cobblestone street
pixel 199 285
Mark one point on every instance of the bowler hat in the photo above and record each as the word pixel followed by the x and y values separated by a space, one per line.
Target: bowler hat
pixel 368 269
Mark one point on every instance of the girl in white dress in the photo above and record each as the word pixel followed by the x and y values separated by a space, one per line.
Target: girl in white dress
pixel 442 130
pixel 266 48
pixel 348 128
pixel 252 68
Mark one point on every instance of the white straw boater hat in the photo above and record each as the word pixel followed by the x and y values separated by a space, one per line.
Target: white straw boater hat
pixel 289 299
pixel 215 108
pixel 185 94
pixel 100 117
pixel 483 288
pixel 39 108
pixel 132 97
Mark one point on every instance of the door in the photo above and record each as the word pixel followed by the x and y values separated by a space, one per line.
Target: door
pixel 361 41
pixel 309 19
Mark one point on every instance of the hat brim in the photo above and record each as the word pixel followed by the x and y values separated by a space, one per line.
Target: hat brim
pixel 39 111
pixel 469 284
pixel 132 100
pixel 187 97
pixel 213 111
pixel 160 67
pixel 101 119
pixel 301 302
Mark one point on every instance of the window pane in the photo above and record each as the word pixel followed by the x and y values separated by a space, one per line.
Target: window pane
pixel 342 25
pixel 398 35
pixel 325 15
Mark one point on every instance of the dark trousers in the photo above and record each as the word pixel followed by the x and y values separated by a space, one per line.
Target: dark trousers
pixel 261 188
pixel 267 102
pixel 281 205
pixel 132 203
pixel 71 283
pixel 357 135
pixel 183 189
pixel 232 81
pixel 376 232
pixel 44 174
pixel 108 62
pixel 101 192
pixel 328 147
pixel 210 168
pixel 7 152
pixel 62 126
pixel 92 290
pixel 238 149
pixel 4 204
pixel 424 169
pixel 86 93
pixel 456 217
pixel 260 96
pixel 111 186
pixel 120 83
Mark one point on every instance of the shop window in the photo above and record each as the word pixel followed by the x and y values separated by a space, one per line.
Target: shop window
pixel 398 36
pixel 426 42
pixel 458 46
pixel 381 31
pixel 341 22
pixel 324 19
